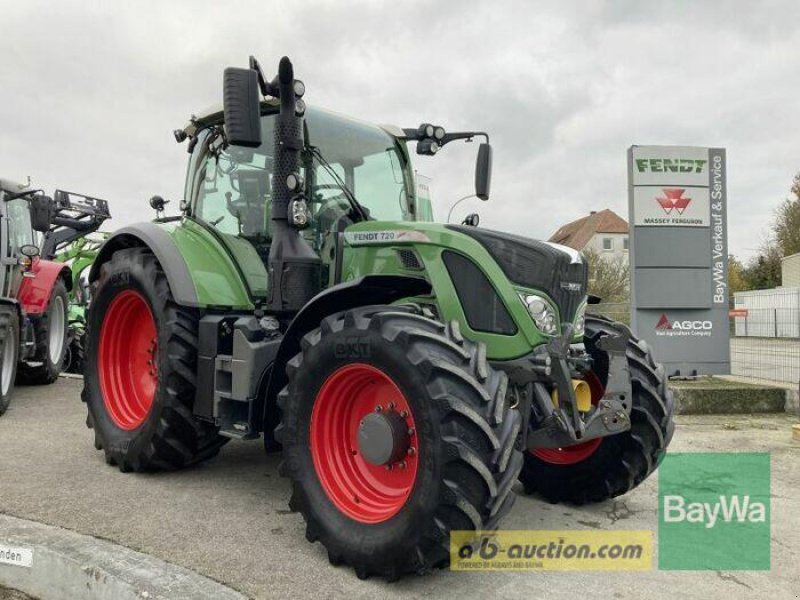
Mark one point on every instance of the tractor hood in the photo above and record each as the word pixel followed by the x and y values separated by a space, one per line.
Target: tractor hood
pixel 557 270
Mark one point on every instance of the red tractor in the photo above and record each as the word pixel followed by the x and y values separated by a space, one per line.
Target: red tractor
pixel 33 292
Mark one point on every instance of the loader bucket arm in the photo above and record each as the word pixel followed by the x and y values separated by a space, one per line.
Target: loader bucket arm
pixel 74 216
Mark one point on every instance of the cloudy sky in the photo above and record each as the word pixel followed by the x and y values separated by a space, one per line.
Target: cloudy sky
pixel 92 90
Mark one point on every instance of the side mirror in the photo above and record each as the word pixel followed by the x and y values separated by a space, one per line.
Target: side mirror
pixel 41 213
pixel 473 220
pixel 241 107
pixel 483 171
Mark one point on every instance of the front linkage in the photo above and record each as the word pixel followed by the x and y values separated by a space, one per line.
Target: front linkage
pixel 563 424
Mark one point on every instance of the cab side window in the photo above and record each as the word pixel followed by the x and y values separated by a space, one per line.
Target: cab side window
pixel 20 231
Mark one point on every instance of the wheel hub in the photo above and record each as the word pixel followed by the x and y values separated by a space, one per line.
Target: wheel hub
pixel 364 443
pixel 383 438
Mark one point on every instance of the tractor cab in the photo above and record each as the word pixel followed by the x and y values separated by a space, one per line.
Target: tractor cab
pixel 351 171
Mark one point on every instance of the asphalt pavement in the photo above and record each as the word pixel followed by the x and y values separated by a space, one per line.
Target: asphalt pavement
pixel 228 519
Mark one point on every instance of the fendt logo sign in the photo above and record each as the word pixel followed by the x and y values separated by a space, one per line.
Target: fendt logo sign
pixel 697 328
pixel 673 200
pixel 670 165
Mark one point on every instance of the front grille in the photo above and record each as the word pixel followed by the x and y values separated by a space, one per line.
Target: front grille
pixel 482 306
pixel 537 265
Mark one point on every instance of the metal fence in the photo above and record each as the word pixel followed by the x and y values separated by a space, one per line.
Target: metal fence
pixel 765 335
pixel 619 311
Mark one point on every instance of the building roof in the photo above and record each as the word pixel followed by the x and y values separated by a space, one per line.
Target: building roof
pixel 578 233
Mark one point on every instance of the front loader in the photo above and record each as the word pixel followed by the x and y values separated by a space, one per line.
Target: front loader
pixel 410 372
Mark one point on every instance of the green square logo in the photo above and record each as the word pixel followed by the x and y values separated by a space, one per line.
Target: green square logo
pixel 714 511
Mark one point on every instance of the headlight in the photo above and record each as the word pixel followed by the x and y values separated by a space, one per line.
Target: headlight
pixel 543 313
pixel 580 320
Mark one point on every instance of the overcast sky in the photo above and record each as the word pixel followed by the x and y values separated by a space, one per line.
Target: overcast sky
pixel 91 92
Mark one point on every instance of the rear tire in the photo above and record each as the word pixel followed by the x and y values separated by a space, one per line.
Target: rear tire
pixel 464 458
pixel 141 411
pixel 9 354
pixel 51 337
pixel 622 461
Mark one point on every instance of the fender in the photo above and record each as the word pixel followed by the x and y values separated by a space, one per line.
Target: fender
pixel 364 291
pixel 155 238
pixel 34 292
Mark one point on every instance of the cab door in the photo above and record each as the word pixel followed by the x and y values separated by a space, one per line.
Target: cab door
pixel 17 232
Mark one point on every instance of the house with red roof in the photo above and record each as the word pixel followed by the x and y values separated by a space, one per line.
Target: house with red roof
pixel 603 231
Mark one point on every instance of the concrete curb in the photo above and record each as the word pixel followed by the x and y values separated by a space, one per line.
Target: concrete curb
pixel 64 564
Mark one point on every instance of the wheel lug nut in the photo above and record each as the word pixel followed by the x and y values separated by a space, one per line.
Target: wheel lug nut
pixel 388 467
pixel 411 431
pixel 412 451
pixel 404 413
pixel 403 464
pixel 390 406
pixel 378 408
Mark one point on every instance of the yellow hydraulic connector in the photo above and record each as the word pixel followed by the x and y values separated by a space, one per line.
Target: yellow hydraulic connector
pixel 583 394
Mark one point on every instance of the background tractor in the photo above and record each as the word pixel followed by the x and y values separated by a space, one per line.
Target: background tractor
pixel 411 371
pixel 71 239
pixel 33 300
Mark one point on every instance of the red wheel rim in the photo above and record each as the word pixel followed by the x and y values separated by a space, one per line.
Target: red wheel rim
pixel 126 360
pixel 363 491
pixel 571 455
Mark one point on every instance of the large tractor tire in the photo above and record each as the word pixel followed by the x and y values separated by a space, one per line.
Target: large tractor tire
pixel 9 354
pixel 139 380
pixel 395 432
pixel 51 337
pixel 608 467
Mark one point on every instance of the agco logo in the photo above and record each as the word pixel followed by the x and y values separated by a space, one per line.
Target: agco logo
pixel 687 327
pixel 673 200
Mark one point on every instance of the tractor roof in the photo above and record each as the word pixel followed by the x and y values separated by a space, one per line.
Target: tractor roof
pixel 213 113
pixel 12 186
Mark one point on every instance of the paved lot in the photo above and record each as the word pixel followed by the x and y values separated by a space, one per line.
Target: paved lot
pixel 229 520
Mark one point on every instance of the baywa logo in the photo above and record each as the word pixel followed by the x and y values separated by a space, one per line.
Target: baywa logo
pixel 673 200
pixel 687 327
pixel 714 511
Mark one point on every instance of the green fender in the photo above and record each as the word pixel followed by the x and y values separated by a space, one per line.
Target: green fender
pixel 200 270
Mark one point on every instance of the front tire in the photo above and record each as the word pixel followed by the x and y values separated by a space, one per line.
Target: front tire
pixel 9 354
pixel 601 469
pixel 51 336
pixel 141 359
pixel 455 461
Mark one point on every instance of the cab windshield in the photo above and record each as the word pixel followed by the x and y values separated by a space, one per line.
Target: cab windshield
pixel 352 170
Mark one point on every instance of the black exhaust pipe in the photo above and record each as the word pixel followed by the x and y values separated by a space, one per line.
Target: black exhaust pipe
pixel 294 268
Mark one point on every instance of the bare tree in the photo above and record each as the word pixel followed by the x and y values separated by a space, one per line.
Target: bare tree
pixel 608 277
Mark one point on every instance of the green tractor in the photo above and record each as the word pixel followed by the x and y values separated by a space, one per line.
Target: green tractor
pixel 410 372
pixel 72 240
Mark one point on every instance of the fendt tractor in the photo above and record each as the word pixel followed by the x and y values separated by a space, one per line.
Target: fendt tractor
pixel 411 372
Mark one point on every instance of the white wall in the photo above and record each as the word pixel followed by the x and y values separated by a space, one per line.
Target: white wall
pixel 790 271
pixel 617 245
